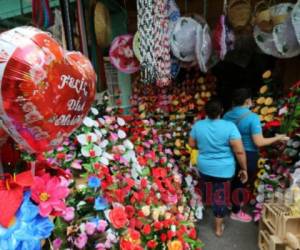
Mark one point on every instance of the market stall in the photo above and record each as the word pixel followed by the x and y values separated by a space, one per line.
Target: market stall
pixel 95 147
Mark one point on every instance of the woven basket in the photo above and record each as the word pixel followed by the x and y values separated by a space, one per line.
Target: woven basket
pixel 239 13
pixel 102 24
pixel 262 17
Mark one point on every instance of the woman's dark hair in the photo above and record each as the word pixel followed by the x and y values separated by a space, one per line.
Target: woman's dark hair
pixel 213 109
pixel 240 96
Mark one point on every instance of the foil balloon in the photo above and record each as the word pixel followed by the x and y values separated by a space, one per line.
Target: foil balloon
pixel 45 91
pixel 3 137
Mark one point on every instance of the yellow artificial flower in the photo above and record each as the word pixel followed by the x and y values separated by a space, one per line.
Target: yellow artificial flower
pixel 264 110
pixel 175 245
pixel 269 118
pixel 256 109
pixel 272 110
pixel 267 74
pixel 261 173
pixel 256 183
pixel 263 89
pixel 201 80
pixel 269 101
pixel 261 162
pixel 261 100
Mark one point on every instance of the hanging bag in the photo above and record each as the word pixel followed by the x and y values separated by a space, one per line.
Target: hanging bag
pixel 239 13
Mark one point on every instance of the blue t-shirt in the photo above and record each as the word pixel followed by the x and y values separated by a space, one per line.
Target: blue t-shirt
pixel 248 126
pixel 215 157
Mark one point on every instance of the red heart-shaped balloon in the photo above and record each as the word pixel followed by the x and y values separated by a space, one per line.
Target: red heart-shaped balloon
pixel 45 91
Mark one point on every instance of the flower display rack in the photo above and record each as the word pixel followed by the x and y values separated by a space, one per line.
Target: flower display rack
pixel 278 230
pixel 271 216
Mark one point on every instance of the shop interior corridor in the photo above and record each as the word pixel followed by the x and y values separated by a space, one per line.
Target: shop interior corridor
pixel 237 235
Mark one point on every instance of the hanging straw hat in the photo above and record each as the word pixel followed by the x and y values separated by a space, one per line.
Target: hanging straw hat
pixel 283 33
pixel 183 39
pixel 282 42
pixel 102 24
pixel 239 13
pixel 203 47
pixel 296 20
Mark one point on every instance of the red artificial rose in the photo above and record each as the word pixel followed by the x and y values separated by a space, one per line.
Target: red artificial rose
pixel 60 156
pixel 151 244
pixel 134 235
pixel 170 234
pixel 158 225
pixel 144 183
pixel 118 217
pixel 142 161
pixel 130 211
pixel 147 229
pixel 159 173
pixel 163 237
pixel 193 234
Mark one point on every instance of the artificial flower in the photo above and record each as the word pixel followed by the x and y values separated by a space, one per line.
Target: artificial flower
pixel 100 204
pixel 101 227
pixel 28 228
pixel 175 245
pixel 94 182
pixel 68 214
pixel 49 194
pixel 118 217
pixel 57 243
pixel 81 241
pixel 90 228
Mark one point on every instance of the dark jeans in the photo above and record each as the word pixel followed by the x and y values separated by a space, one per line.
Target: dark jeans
pixel 241 192
pixel 216 192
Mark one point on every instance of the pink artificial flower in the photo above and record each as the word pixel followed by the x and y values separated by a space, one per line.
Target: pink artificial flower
pixel 81 241
pixel 49 194
pixel 113 137
pixel 76 165
pixel 90 228
pixel 68 214
pixel 100 246
pixel 57 244
pixel 102 224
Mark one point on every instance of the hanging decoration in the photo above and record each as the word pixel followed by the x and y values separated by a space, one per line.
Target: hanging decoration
pixel 162 43
pixel 146 28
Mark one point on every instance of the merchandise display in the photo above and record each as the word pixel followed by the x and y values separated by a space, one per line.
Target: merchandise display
pixel 100 149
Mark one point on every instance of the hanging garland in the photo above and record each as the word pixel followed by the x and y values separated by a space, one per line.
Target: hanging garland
pixel 162 44
pixel 146 27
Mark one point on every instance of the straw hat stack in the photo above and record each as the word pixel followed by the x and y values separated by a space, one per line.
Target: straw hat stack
pixel 102 22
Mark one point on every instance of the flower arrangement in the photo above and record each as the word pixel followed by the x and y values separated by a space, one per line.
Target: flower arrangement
pixel 126 192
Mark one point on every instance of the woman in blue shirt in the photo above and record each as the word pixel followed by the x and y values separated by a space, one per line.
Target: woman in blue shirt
pixel 250 128
pixel 218 141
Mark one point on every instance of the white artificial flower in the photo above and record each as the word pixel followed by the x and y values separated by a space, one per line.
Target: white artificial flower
pixel 102 121
pixel 103 144
pixel 199 213
pixel 260 198
pixel 189 180
pixel 94 111
pixel 108 156
pixel 98 133
pixel 104 131
pixel 120 121
pixel 173 228
pixel 82 227
pixel 87 121
pixel 104 161
pixel 80 204
pixel 261 188
pixel 121 134
pixel 128 144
